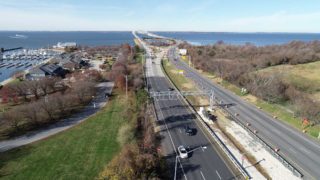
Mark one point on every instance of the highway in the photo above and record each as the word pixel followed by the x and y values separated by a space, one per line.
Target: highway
pixel 173 116
pixel 300 150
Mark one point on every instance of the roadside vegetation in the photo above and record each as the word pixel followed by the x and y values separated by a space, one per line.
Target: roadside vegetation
pixel 119 142
pixel 139 157
pixel 260 70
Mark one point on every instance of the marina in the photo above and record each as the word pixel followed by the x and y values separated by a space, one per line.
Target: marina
pixel 21 60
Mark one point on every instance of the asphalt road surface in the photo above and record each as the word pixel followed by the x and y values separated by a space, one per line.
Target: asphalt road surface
pixel 173 116
pixel 300 150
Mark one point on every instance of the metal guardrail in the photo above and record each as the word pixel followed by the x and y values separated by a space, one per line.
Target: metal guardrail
pixel 272 151
pixel 226 150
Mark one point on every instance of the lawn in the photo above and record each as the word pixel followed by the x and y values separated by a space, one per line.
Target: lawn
pixel 184 84
pixel 79 153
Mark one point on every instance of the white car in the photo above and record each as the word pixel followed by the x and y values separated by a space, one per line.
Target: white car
pixel 182 152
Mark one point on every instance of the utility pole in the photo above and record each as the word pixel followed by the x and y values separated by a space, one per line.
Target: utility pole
pixel 126 86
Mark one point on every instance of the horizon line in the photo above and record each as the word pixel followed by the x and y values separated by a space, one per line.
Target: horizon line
pixel 173 31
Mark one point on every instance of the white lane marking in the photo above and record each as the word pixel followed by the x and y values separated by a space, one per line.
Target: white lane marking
pixel 156 102
pixel 218 174
pixel 163 119
pixel 202 175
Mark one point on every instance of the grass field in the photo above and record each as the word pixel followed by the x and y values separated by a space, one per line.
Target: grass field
pixel 79 153
pixel 305 77
pixel 184 84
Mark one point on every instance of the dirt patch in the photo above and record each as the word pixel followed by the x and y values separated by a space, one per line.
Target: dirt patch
pixel 203 101
pixel 188 85
pixel 250 98
pixel 173 71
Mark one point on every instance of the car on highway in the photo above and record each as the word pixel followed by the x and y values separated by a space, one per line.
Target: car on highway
pixel 183 153
pixel 189 131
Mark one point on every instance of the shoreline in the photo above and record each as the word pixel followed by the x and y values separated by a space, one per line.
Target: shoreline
pixel 7 81
pixel 10 79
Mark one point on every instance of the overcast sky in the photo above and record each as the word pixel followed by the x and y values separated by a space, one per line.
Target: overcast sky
pixel 162 15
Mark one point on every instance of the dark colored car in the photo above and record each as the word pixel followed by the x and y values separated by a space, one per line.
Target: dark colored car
pixel 189 131
pixel 170 89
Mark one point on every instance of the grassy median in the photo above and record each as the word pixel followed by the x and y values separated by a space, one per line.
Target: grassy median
pixel 79 153
pixel 184 84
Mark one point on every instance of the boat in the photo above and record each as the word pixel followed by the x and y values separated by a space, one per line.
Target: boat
pixel 19 36
pixel 20 65
pixel 10 66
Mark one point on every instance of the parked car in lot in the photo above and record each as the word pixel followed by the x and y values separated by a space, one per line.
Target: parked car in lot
pixel 183 153
pixel 170 89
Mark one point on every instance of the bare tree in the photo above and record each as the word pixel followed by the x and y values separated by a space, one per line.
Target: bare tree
pixel 14 118
pixel 34 88
pixel 83 90
pixel 32 113
pixel 48 106
pixel 63 103
pixel 20 88
pixel 47 84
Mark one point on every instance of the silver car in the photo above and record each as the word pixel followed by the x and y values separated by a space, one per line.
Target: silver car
pixel 183 153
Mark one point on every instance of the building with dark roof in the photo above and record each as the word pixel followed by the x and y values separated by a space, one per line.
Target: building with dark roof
pixel 45 70
pixel 52 70
pixel 35 74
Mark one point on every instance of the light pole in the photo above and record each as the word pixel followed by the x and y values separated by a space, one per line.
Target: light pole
pixel 200 147
pixel 94 104
pixel 175 168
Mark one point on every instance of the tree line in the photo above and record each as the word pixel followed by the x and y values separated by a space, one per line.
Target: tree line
pixel 127 66
pixel 35 103
pixel 139 157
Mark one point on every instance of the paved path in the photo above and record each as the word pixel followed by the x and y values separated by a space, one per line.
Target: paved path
pixel 98 102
